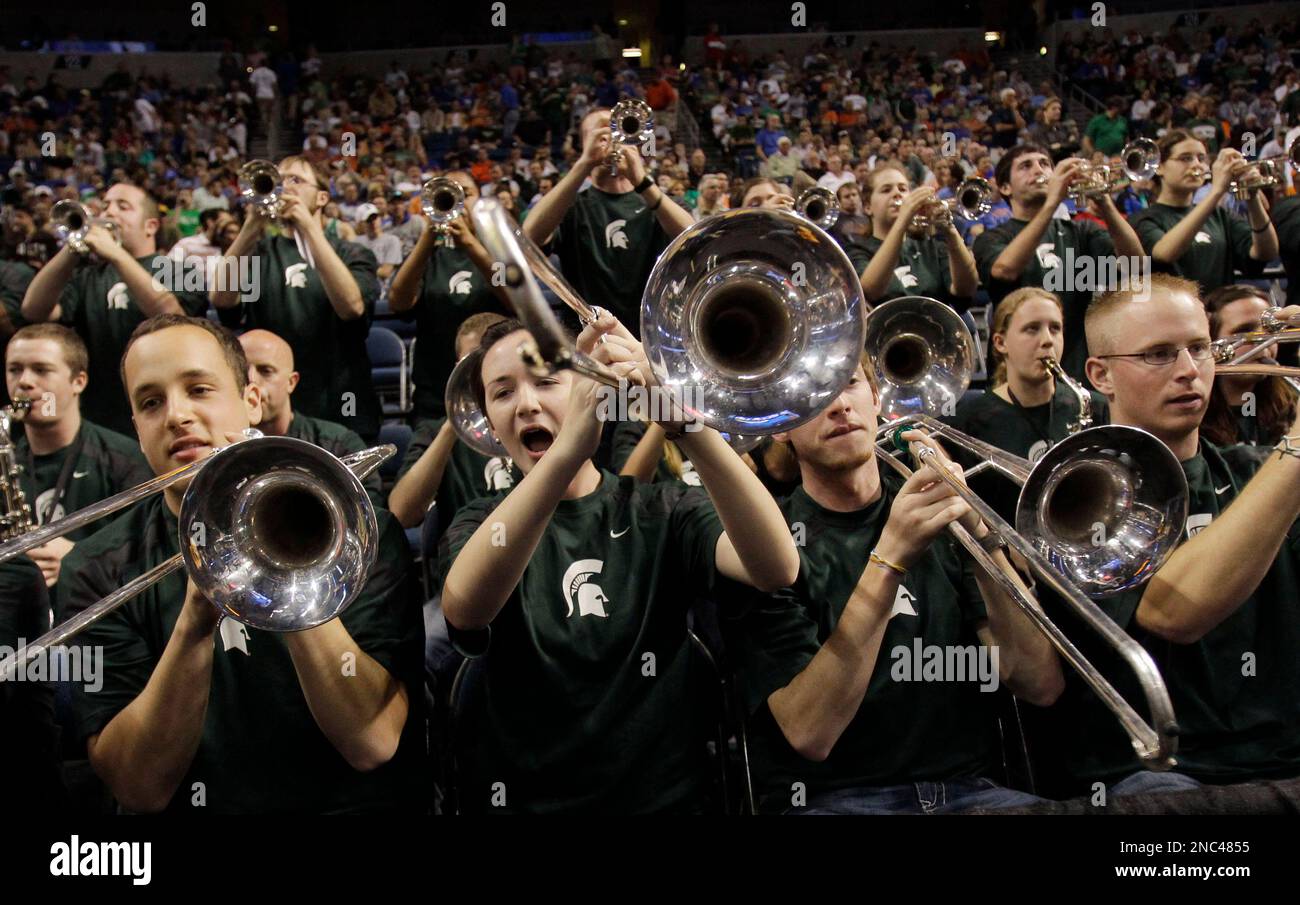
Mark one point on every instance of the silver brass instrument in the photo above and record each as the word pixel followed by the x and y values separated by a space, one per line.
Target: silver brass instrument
pixel 1265 172
pixel 745 342
pixel 261 188
pixel 630 122
pixel 818 205
pixel 72 221
pixel 16 514
pixel 277 533
pixel 1083 420
pixel 1140 158
pixel 923 355
pixel 1098 514
pixel 972 200
pixel 467 418
pixel 442 200
pixel 1240 353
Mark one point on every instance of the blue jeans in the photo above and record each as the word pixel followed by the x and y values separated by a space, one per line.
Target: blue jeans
pixel 918 798
pixel 1145 782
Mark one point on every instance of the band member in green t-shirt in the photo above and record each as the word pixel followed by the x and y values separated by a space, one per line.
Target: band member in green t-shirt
pixel 608 236
pixel 1220 617
pixel 1245 408
pixel 1204 242
pixel 106 296
pixel 195 709
pixel 1036 246
pixel 892 262
pixel 576 586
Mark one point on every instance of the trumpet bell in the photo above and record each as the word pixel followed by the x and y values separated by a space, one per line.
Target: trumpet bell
pixel 1141 159
pixel 442 200
pixel 1106 507
pixel 819 205
pixel 260 187
pixel 631 121
pixel 755 318
pixel 277 533
pixel 923 355
pixel 468 420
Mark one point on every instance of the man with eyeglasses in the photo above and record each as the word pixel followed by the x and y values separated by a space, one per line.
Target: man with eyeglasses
pixel 316 292
pixel 1220 617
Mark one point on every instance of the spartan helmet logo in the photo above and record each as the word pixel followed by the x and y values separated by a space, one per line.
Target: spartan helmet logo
pixel 1037 451
pixel 496 474
pixel 1048 259
pixel 42 508
pixel 117 297
pixel 295 276
pixel 1203 238
pixel 578 583
pixel 234 635
pixel 614 235
pixel 905 276
pixel 459 283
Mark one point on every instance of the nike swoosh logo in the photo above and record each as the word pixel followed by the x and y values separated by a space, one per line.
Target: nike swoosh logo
pixel 1222 489
pixel 621 533
pixel 80 474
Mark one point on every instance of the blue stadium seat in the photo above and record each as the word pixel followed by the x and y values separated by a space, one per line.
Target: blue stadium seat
pixel 400 436
pixel 388 369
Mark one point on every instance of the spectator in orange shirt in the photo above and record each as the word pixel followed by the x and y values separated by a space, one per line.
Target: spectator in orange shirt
pixel 481 169
pixel 659 94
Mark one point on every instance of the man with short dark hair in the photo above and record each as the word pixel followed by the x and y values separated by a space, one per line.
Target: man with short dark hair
pixel 193 707
pixel 1025 250
pixel 106 297
pixel 317 293
pixel 609 236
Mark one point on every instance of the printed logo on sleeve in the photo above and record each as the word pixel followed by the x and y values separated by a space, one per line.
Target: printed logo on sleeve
pixel 118 298
pixel 1048 259
pixel 905 276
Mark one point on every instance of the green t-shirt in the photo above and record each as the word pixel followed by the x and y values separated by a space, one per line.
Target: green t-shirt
pixel 187 221
pixel 922 269
pixel 261 750
pixel 468 474
pixel 338 441
pixel 29 765
pixel 1107 134
pixel 1233 692
pixel 329 352
pixel 627 434
pixel 15 277
pixel 608 244
pixel 107 463
pixel 1025 431
pixel 97 304
pixel 1063 242
pixel 588 681
pixel 1220 246
pixel 904 731
pixel 1286 220
pixel 452 291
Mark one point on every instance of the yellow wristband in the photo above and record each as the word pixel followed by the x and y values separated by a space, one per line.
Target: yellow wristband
pixel 881 561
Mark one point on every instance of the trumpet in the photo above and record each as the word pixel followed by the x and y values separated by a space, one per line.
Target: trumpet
pixel 818 205
pixel 1265 172
pixel 261 188
pixel 630 122
pixel 1141 159
pixel 442 200
pixel 972 200
pixel 72 221
pixel 721 317
pixel 287 536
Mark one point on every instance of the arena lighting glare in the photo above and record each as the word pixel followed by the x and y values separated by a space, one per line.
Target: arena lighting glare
pixel 992 37
pixel 632 53
pixel 1042 51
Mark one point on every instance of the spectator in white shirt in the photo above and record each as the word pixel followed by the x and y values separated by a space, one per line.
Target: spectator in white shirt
pixel 370 233
pixel 1142 107
pixel 836 173
pixel 264 79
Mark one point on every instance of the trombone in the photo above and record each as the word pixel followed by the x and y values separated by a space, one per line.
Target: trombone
pixel 72 221
pixel 1098 514
pixel 1237 354
pixel 743 341
pixel 277 533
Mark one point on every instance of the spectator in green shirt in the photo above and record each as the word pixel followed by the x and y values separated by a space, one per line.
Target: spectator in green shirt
pixel 1106 132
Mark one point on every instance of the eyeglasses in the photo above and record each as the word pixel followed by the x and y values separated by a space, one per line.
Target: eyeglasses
pixel 292 180
pixel 1163 356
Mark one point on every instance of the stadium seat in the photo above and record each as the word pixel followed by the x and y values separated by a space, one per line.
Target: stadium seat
pixel 388 369
pixel 400 436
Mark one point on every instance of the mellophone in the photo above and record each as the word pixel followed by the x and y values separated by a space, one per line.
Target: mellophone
pixel 766 353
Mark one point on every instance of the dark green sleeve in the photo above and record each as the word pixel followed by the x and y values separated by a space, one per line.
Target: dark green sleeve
pixel 988 246
pixel 364 267
pixel 772 639
pixel 1149 231
pixel 627 434
pixel 470 643
pixel 1093 240
pixel 858 256
pixel 71 296
pixel 1239 234
pixel 421 439
pixel 127 660
pixel 696 526
pixel 385 619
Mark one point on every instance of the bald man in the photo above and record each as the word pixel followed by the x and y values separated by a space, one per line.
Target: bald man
pixel 270 368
